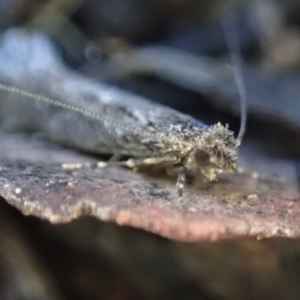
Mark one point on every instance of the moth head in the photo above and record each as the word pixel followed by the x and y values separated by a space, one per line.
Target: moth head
pixel 215 152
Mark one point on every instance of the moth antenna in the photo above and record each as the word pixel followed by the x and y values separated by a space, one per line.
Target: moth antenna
pixel 231 39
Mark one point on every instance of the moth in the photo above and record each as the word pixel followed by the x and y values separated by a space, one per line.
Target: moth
pixel 75 111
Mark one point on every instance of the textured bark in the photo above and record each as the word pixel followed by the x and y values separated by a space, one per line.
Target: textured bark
pixel 237 205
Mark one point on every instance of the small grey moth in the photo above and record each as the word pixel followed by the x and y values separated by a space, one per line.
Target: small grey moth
pixel 73 110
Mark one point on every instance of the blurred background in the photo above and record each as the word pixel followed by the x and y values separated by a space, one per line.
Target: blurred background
pixel 173 52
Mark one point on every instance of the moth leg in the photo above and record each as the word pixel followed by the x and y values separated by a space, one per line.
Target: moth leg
pixel 115 157
pixel 77 166
pixel 180 183
pixel 163 162
pixel 135 164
